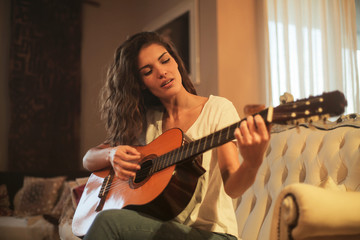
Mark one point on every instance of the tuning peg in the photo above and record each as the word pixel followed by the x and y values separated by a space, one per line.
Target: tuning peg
pixel 325 117
pixel 314 119
pixel 301 120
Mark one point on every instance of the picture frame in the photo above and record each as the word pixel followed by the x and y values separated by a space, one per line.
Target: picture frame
pixel 181 25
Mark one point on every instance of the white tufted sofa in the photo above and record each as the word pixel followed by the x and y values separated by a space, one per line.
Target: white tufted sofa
pixel 308 186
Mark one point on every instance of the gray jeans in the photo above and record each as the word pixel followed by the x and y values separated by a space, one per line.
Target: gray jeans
pixel 130 225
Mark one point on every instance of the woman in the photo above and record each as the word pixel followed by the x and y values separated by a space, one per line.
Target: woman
pixel 148 92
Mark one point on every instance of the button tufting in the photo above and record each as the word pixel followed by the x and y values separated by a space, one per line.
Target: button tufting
pixel 268 204
pixel 268 151
pixel 284 175
pixel 342 172
pixel 303 147
pixel 284 149
pixel 342 143
pixel 253 203
pixel 302 173
pixel 320 145
pixel 267 176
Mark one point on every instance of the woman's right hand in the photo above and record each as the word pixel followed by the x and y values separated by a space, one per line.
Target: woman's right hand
pixel 125 161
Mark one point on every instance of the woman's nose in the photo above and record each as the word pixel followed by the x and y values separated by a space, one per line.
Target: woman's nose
pixel 162 72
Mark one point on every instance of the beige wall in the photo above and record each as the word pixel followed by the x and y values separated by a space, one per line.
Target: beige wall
pixel 238 56
pixel 226 28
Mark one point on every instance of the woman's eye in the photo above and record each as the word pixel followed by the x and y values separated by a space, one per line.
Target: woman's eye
pixel 148 73
pixel 165 61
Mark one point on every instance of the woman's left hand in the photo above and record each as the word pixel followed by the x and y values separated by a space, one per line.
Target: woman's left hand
pixel 253 137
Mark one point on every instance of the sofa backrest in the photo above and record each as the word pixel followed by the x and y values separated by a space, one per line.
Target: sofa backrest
pixel 314 154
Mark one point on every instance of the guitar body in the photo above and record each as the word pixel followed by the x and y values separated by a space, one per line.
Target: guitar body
pixel 162 195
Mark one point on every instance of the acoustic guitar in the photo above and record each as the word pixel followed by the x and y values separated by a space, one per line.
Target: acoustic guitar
pixel 169 174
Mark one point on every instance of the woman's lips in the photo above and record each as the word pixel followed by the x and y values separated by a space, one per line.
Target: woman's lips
pixel 166 83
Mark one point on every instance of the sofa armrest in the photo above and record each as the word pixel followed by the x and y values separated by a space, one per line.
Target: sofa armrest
pixel 304 211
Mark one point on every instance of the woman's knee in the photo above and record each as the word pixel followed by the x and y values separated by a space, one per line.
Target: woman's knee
pixel 112 215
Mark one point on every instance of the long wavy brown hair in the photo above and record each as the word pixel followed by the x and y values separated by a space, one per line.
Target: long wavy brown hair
pixel 124 100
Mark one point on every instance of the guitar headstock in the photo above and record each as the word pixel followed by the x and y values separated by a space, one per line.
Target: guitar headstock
pixel 309 109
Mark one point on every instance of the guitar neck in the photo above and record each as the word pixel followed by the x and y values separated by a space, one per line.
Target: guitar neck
pixel 193 149
pixel 303 110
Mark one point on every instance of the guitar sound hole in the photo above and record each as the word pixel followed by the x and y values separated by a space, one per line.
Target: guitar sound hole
pixel 143 173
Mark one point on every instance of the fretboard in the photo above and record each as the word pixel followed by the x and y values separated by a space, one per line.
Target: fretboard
pixel 308 109
pixel 192 149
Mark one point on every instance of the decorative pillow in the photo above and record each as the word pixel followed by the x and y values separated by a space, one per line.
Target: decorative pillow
pixel 4 201
pixel 65 193
pixel 38 196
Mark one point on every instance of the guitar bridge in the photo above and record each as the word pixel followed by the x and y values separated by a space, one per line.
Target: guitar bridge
pixel 105 190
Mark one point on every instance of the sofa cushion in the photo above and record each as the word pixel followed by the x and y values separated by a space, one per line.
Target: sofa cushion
pixel 38 196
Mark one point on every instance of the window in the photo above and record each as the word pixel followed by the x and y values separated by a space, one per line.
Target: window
pixel 312 50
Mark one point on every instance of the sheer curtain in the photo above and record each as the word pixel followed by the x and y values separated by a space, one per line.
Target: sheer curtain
pixel 311 47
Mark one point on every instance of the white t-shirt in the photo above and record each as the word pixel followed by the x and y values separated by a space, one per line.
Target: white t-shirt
pixel 210 207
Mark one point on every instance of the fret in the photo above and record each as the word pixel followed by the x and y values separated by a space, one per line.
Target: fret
pixel 212 139
pixel 205 142
pixel 209 142
pixel 176 155
pixel 154 167
pixel 181 150
pixel 219 138
pixel 167 162
pixel 187 150
pixel 170 159
pixel 198 141
pixel 162 164
pixel 216 136
pixel 201 145
pixel 157 164
pixel 171 155
pixel 227 133
pixel 233 127
pixel 192 150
